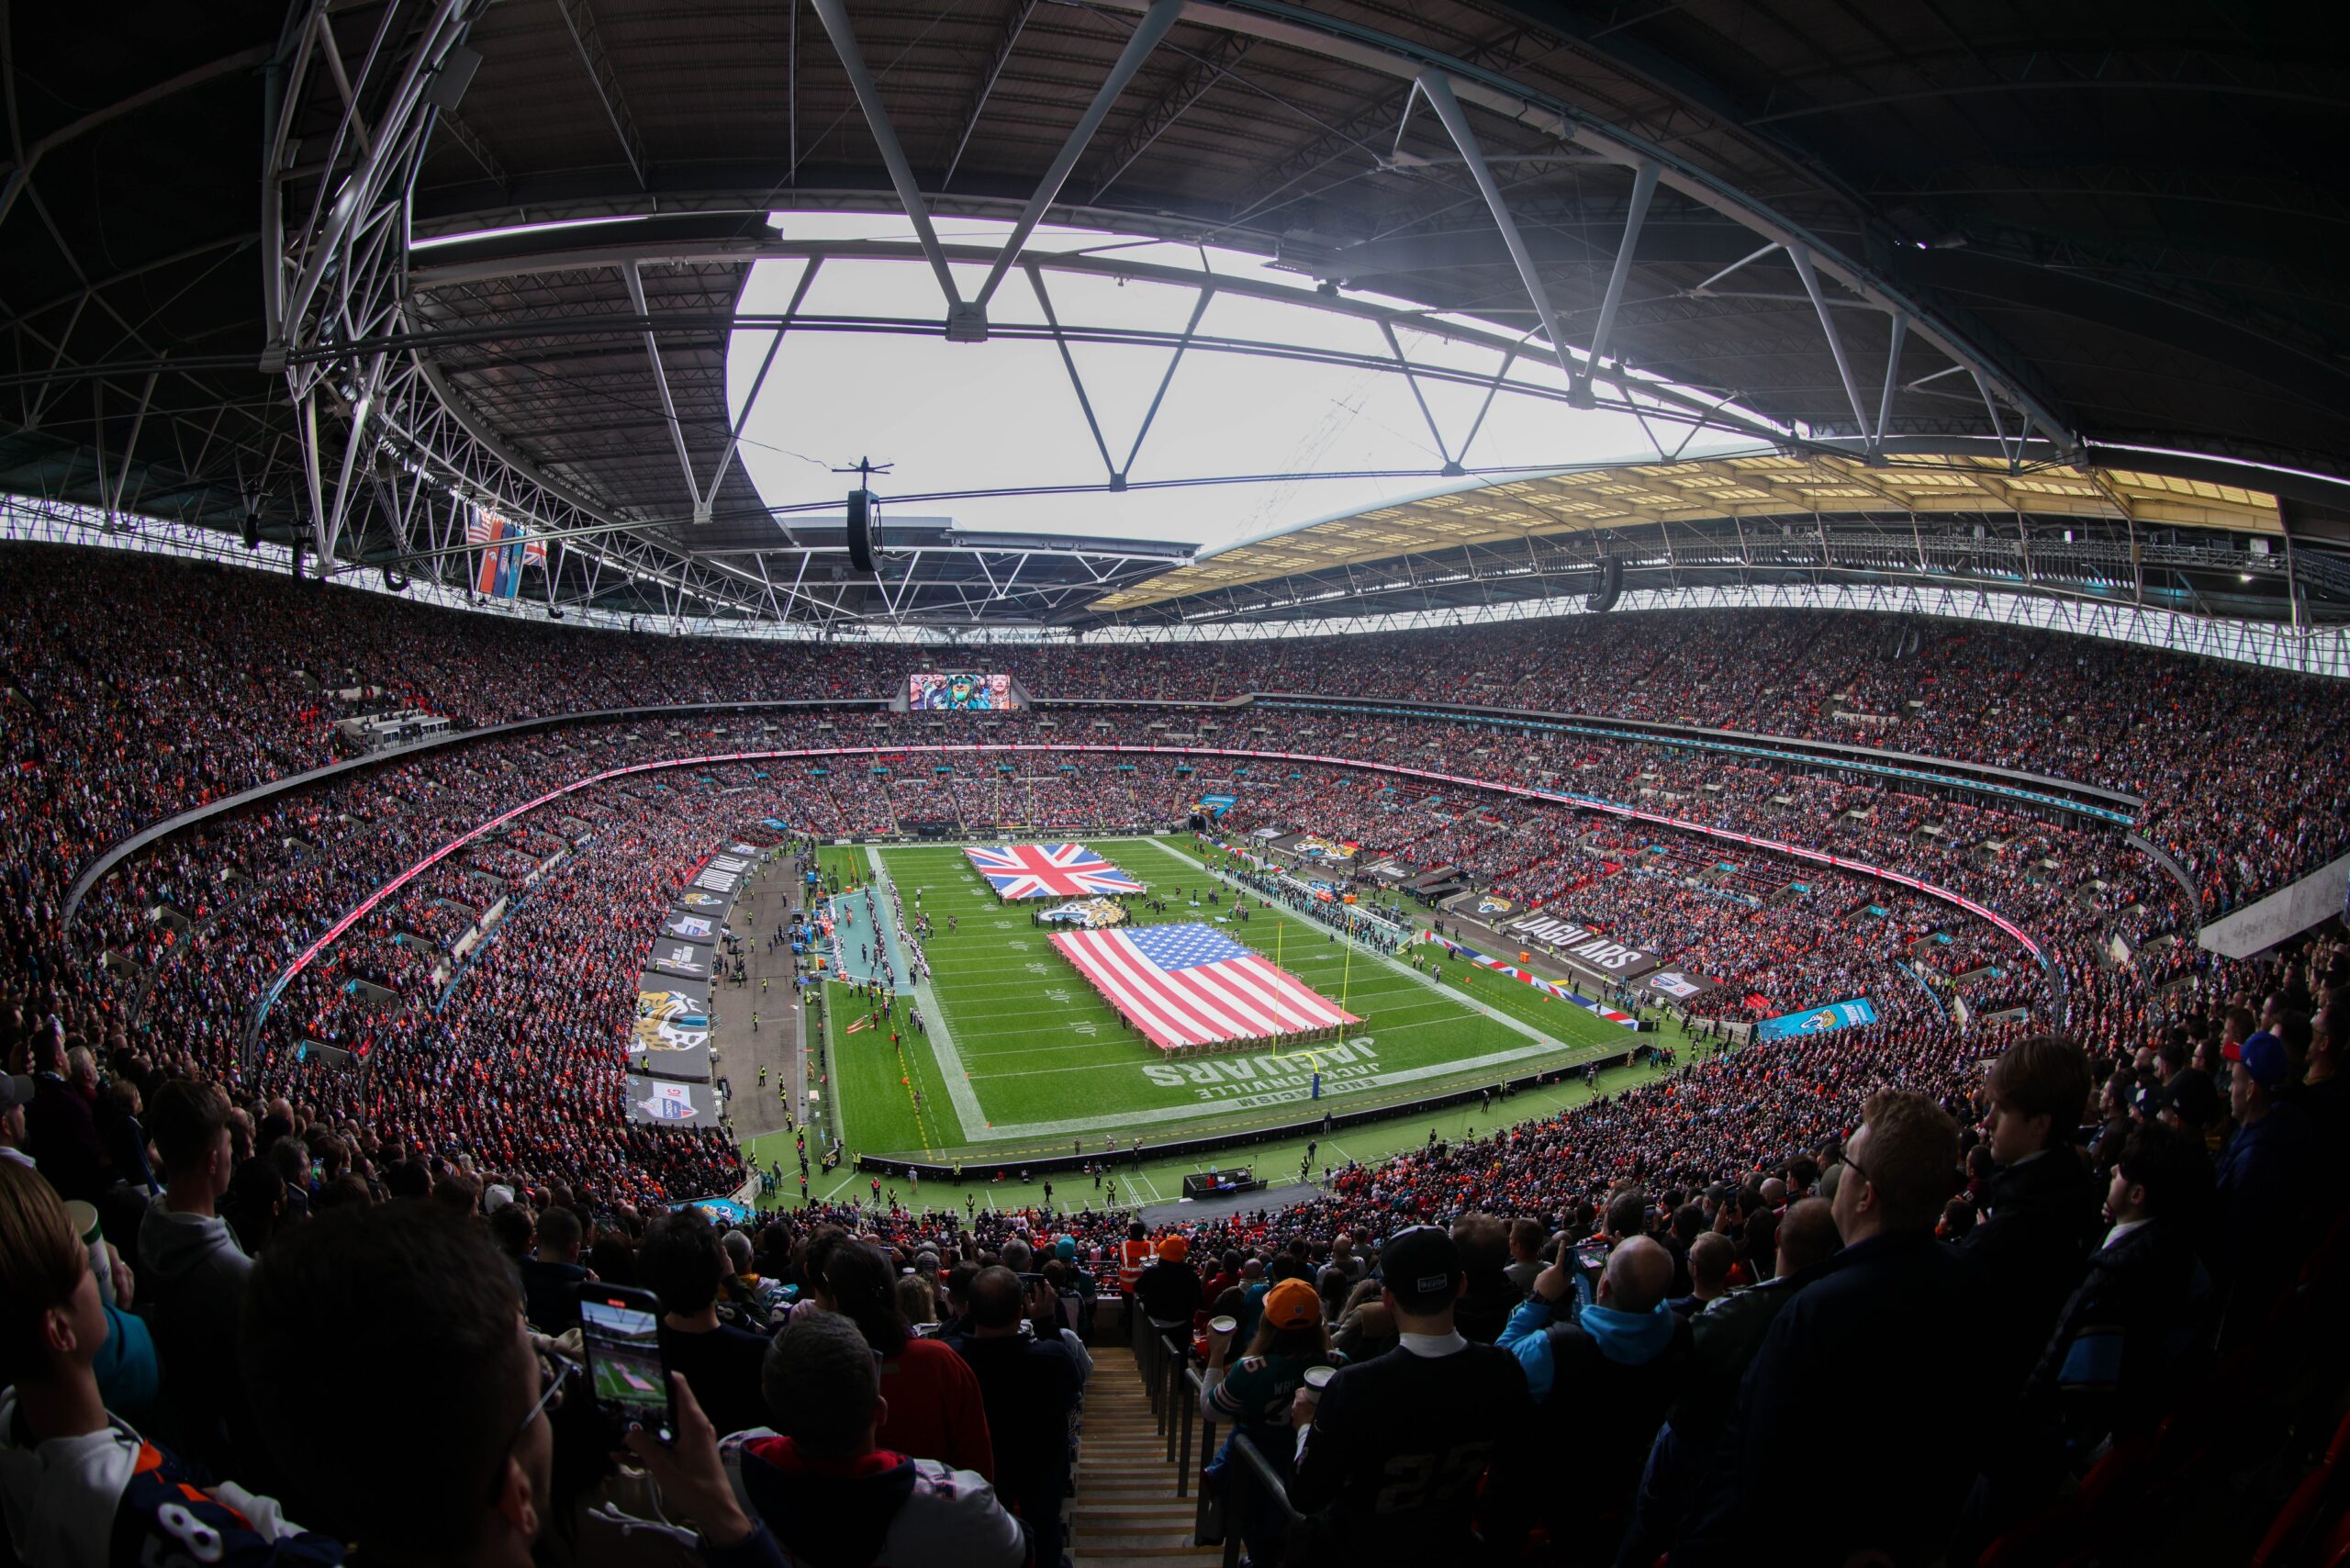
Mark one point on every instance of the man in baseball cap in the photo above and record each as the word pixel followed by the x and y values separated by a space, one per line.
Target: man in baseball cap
pixel 1169 1291
pixel 2264 1180
pixel 2189 1102
pixel 2263 1060
pixel 1438 1406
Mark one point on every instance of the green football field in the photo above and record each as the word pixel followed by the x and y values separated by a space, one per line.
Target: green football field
pixel 1023 1058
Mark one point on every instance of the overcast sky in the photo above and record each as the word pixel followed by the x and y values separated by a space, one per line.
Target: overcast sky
pixel 991 416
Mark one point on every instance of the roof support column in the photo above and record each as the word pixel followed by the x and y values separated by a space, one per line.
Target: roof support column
pixel 1579 392
pixel 1801 256
pixel 833 14
pixel 1012 29
pixel 1438 89
pixel 1452 467
pixel 147 397
pixel 1874 453
pixel 1153 27
pixel 734 437
pixel 1069 363
pixel 701 510
pixel 1118 480
pixel 580 23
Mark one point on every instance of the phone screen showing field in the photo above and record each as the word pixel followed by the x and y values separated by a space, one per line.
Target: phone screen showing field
pixel 623 1348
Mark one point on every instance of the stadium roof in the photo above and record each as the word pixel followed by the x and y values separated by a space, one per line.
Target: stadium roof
pixel 2072 240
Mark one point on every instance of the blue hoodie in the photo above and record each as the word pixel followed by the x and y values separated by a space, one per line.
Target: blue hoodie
pixel 1628 1339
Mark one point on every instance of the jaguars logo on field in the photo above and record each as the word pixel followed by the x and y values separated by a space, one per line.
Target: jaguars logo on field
pixel 1089 914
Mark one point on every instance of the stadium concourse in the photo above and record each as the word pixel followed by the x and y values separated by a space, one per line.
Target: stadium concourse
pixel 2087 1227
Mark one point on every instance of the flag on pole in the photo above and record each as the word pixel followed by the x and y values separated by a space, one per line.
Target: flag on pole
pixel 504 547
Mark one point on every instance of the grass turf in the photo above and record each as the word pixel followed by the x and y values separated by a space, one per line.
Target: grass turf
pixel 1046 1067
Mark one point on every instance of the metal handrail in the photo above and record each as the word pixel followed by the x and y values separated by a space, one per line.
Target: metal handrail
pixel 1194 1389
pixel 1247 1470
pixel 1175 1388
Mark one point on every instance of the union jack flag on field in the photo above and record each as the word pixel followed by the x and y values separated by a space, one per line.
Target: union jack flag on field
pixel 1048 870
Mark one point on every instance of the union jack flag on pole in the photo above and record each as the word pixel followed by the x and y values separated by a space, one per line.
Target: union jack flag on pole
pixel 1048 870
pixel 1192 985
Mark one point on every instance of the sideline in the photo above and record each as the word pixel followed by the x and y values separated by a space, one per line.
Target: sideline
pixel 934 1028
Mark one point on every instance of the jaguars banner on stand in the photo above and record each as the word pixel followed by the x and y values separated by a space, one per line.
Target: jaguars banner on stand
pixel 671 1038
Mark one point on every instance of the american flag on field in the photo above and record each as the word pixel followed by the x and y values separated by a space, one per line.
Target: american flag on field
pixel 1192 985
pixel 1048 870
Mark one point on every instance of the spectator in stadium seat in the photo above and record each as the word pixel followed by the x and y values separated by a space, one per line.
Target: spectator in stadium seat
pixel 124 1134
pixel 2135 1332
pixel 1724 1338
pixel 1607 1374
pixel 552 1273
pixel 1863 1361
pixel 2026 1252
pixel 1441 1412
pixel 1253 1395
pixel 1484 1310
pixel 191 1270
pixel 831 1493
pixel 1134 1256
pixel 1028 1387
pixel 1344 1263
pixel 744 1289
pixel 2324 1097
pixel 61 1126
pixel 2128 1334
pixel 16 1094
pixel 1169 1291
pixel 2190 1103
pixel 510 1230
pixel 1711 1257
pixel 1526 1240
pixel 2264 1179
pixel 934 1406
pixel 680 1261
pixel 1366 1329
pixel 1250 1296
pixel 459 1459
pixel 80 1487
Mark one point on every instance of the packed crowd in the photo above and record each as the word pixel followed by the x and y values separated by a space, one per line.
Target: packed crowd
pixel 1737 1256
pixel 251 889
pixel 515 1058
pixel 103 742
pixel 493 1072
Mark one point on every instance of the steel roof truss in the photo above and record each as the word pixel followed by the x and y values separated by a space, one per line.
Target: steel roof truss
pixel 579 20
pixel 833 14
pixel 695 505
pixel 1153 27
pixel 1013 25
